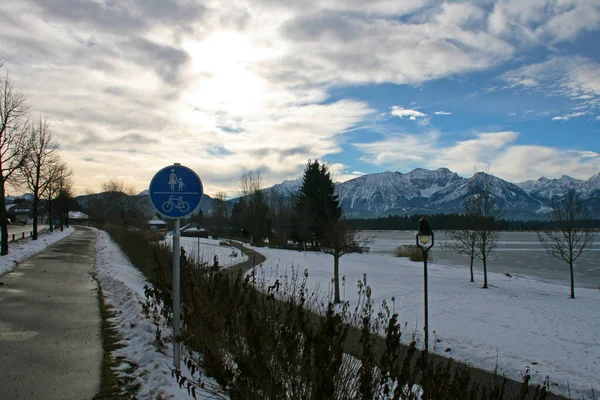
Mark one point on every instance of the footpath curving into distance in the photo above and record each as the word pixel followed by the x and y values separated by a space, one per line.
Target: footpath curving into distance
pixel 50 325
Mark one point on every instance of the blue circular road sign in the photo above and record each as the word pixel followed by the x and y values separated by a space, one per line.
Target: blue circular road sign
pixel 175 191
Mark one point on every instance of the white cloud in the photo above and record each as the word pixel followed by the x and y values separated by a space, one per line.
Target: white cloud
pixel 598 118
pixel 569 116
pixel 540 21
pixel 496 150
pixel 586 154
pixel 442 113
pixel 340 172
pixel 576 77
pixel 524 82
pixel 519 163
pixel 403 112
pixel 584 97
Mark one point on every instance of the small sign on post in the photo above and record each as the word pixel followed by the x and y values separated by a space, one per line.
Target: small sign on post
pixel 175 192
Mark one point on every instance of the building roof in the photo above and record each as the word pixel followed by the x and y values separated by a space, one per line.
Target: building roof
pixel 77 215
pixel 156 222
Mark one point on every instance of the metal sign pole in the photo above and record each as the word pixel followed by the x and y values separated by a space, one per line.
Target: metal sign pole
pixel 176 291
pixel 175 192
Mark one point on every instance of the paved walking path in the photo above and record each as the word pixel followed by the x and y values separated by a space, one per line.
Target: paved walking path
pixel 50 325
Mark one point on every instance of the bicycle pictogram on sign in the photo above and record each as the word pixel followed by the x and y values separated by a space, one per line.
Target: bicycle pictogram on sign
pixel 175 202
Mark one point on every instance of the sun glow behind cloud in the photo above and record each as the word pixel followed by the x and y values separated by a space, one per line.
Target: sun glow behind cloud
pixel 222 66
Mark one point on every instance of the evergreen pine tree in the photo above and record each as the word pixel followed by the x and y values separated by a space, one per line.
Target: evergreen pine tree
pixel 257 220
pixel 317 206
pixel 237 217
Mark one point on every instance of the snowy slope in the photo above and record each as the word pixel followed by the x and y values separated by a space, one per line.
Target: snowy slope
pixel 548 189
pixel 393 192
pixel 288 188
pixel 518 322
pixel 425 191
pixel 513 200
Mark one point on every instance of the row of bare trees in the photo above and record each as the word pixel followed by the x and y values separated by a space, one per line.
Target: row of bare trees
pixel 29 159
pixel 119 203
pixel 566 242
pixel 482 210
pixel 258 214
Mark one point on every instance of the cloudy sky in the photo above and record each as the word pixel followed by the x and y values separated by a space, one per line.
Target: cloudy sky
pixel 367 86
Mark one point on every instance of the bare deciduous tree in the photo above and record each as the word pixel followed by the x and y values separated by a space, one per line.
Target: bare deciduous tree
pixel 465 241
pixel 36 170
pixel 219 211
pixel 488 212
pixel 64 203
pixel 250 182
pixel 570 238
pixel 123 201
pixel 253 210
pixel 281 209
pixel 58 176
pixel 340 239
pixel 14 145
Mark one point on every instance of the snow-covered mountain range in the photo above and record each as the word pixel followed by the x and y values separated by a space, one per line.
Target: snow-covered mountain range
pixel 423 191
pixel 441 190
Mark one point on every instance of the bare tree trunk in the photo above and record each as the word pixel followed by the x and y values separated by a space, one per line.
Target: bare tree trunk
pixel 572 280
pixel 473 255
pixel 3 222
pixel 485 282
pixel 50 215
pixel 35 216
pixel 336 278
pixel 472 258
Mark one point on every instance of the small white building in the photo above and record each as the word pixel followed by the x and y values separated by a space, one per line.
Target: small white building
pixel 78 218
pixel 157 225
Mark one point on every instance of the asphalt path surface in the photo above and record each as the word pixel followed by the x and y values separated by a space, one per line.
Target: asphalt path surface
pixel 50 325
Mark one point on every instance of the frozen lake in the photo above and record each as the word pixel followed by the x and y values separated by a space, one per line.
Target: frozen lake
pixel 518 253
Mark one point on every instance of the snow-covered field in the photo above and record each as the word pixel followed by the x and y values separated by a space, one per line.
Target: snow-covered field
pixel 210 248
pixel 518 322
pixel 123 288
pixel 22 249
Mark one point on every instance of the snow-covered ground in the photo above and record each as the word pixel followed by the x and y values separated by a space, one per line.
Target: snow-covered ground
pixel 22 249
pixel 209 248
pixel 518 322
pixel 123 288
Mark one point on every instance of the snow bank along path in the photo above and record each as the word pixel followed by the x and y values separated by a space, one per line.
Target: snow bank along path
pixel 517 322
pixel 123 288
pixel 23 249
